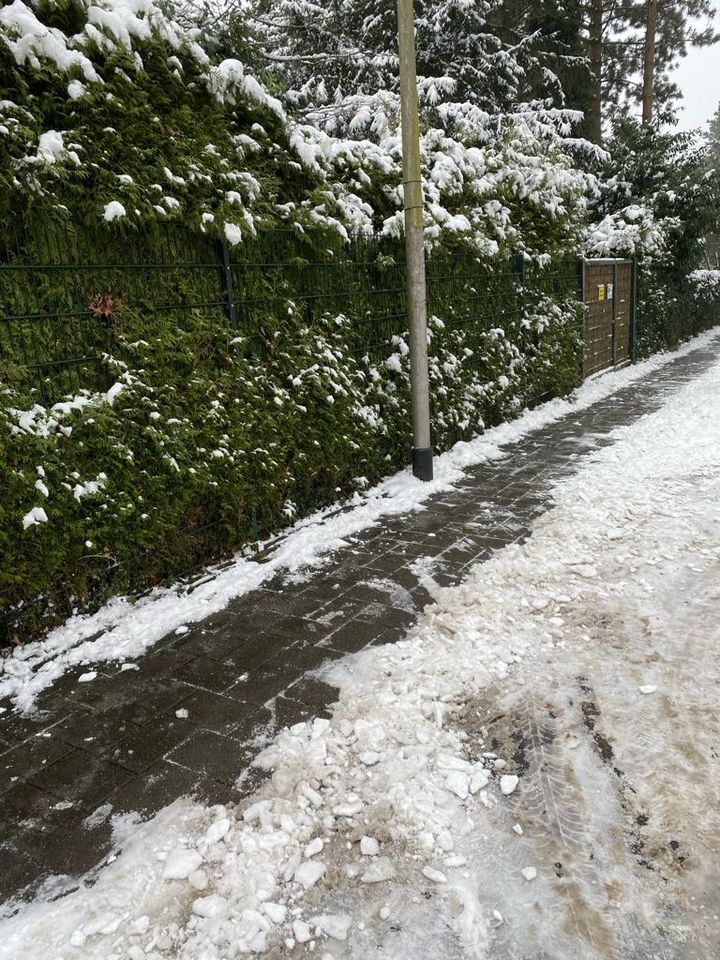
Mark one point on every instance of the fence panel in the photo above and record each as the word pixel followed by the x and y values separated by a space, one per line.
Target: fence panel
pixel 608 297
pixel 63 287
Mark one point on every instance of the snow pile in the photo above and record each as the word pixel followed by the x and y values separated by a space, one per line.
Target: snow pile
pixel 387 801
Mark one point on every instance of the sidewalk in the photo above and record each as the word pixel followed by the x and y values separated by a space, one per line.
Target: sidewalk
pixel 195 711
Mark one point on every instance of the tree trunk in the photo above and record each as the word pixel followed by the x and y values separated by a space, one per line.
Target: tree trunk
pixel 648 89
pixel 596 59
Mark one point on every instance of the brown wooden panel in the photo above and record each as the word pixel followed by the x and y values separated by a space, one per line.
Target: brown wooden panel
pixel 607 321
pixel 623 305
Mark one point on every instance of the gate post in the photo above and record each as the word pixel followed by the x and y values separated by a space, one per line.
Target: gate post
pixel 633 310
pixel 582 271
pixel 517 265
pixel 614 315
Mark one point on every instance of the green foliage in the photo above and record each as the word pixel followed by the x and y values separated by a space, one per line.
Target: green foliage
pixel 213 437
pixel 667 174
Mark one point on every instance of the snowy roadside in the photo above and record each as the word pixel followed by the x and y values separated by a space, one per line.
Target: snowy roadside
pixel 498 783
pixel 122 630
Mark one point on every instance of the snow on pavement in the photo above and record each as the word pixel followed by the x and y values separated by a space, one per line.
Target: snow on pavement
pixel 397 828
pixel 122 630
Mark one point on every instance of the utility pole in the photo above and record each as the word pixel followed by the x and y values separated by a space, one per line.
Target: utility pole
pixel 648 89
pixel 422 463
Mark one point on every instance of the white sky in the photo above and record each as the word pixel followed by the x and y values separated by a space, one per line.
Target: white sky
pixel 698 76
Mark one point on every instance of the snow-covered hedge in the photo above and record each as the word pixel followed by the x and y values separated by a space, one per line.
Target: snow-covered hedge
pixel 112 112
pixel 199 446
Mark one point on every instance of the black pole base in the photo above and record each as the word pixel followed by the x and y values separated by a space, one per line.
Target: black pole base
pixel 422 463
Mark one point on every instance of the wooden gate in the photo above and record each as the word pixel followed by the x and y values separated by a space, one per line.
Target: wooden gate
pixel 608 295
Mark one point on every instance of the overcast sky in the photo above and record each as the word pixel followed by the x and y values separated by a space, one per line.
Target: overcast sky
pixel 698 76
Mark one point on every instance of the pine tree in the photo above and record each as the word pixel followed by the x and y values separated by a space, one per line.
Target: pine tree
pixel 630 64
pixel 350 47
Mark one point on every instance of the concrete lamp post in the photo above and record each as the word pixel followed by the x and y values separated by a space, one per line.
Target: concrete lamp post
pixel 422 458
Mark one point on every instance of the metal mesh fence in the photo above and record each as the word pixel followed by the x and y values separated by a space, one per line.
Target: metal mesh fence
pixel 61 287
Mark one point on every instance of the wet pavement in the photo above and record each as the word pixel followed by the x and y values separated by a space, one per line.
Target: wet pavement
pixel 193 714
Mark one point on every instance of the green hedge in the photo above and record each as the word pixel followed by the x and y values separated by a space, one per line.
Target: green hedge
pixel 218 436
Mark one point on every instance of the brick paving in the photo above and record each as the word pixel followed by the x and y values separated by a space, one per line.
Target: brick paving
pixel 116 744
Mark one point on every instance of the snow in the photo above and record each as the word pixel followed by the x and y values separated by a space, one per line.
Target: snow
pixel 34 517
pixel 113 211
pixel 369 847
pixel 508 784
pixel 233 233
pixel 308 874
pixel 437 876
pixel 121 630
pixel 180 864
pixel 51 146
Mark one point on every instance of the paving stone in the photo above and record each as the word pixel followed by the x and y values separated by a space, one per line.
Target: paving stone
pixel 142 747
pixel 219 758
pixel 18 870
pixel 352 637
pixel 29 757
pixel 93 730
pixel 207 674
pixel 312 692
pixel 217 713
pixel 65 843
pixel 160 785
pixel 79 776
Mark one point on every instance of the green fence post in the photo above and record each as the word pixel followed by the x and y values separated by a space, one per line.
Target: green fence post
pixel 517 265
pixel 226 283
pixel 634 311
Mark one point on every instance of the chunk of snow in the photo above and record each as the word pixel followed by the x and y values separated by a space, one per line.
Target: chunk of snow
pixel 508 784
pixel 213 906
pixel 217 831
pixel 35 516
pixel 648 688
pixel 380 870
pixel 233 234
pixel 437 876
pixel 115 390
pixel 198 880
pixel 369 847
pixel 87 677
pixel 479 780
pixel 301 931
pixel 336 925
pixel 180 863
pixel 113 211
pixel 529 873
pixel 458 783
pixel 314 847
pixel 308 873
pixel 51 146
